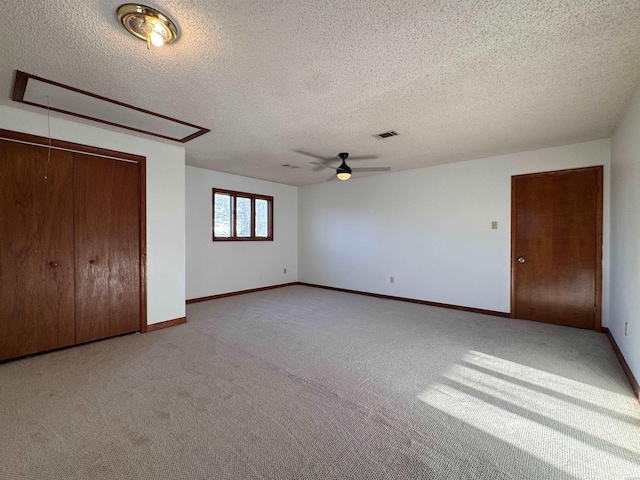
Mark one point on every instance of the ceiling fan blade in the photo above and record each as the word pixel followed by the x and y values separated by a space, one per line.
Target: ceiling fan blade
pixel 371 169
pixel 332 178
pixel 323 166
pixel 363 157
pixel 309 154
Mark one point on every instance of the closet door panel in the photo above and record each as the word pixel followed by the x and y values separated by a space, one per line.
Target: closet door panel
pixel 124 278
pixel 36 250
pixel 107 247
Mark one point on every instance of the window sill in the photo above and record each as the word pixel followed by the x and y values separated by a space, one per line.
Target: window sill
pixel 242 239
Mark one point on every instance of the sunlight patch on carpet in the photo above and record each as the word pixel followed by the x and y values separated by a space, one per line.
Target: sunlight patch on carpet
pixel 580 429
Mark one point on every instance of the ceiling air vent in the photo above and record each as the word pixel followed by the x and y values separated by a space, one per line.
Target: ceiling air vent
pixel 289 166
pixel 388 134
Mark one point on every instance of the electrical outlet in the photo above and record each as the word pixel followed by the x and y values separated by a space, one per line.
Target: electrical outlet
pixel 285 271
pixel 626 328
pixel 494 225
pixel 391 280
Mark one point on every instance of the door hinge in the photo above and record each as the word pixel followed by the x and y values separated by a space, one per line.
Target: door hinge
pixel 596 189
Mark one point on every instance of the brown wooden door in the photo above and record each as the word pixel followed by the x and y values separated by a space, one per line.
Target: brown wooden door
pixel 107 247
pixel 556 254
pixel 36 250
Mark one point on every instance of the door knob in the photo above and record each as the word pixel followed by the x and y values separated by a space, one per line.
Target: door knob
pixel 92 261
pixel 53 264
pixel 521 259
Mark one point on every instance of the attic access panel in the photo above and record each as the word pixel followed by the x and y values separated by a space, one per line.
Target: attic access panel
pixel 40 92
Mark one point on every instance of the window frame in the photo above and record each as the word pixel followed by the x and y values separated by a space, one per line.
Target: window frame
pixel 253 197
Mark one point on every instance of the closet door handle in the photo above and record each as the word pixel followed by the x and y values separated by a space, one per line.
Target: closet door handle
pixel 53 264
pixel 92 261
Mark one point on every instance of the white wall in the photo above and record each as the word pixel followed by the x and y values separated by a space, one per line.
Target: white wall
pixel 165 201
pixel 625 235
pixel 221 267
pixel 429 228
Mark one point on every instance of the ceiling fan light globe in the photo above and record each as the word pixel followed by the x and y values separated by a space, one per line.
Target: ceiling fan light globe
pixel 344 176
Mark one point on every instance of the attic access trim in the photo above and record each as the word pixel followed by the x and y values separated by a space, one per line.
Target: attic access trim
pixel 40 92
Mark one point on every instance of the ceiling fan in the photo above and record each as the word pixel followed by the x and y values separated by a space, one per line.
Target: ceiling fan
pixel 343 172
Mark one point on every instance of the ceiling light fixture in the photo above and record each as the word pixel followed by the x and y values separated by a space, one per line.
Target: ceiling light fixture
pixel 148 24
pixel 343 171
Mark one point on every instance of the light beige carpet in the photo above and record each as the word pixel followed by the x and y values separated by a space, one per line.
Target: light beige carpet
pixel 300 382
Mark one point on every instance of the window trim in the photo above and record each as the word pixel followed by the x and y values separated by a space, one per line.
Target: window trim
pixel 253 197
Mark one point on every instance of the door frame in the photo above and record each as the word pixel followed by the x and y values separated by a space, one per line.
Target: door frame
pixel 599 209
pixel 26 138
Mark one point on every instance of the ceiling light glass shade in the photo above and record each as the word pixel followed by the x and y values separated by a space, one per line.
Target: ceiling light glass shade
pixel 343 171
pixel 147 24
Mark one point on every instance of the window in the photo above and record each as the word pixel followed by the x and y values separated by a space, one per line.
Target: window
pixel 242 216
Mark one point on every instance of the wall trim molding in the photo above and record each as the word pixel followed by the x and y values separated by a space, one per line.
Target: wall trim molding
pixel 625 366
pixel 239 292
pixel 412 300
pixel 29 139
pixel 165 324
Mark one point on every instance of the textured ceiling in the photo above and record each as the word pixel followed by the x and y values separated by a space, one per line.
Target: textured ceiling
pixel 457 79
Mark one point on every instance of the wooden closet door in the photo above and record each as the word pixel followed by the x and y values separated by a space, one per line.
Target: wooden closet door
pixel 36 250
pixel 107 247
